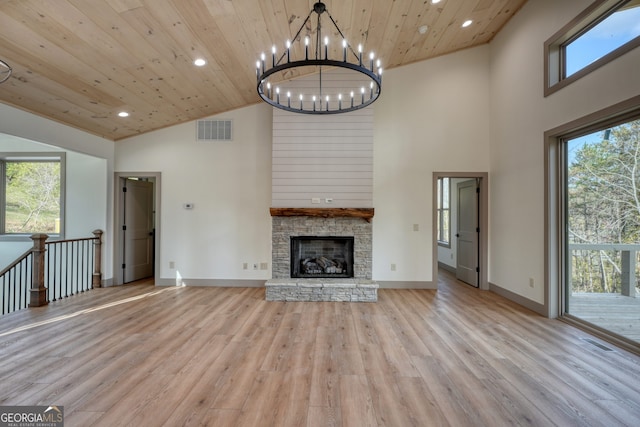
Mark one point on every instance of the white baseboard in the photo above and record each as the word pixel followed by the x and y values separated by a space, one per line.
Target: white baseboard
pixel 397 284
pixel 222 283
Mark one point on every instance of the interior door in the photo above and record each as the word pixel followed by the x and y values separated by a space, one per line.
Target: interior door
pixel 468 262
pixel 137 230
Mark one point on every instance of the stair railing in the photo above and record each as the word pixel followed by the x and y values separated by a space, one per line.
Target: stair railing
pixel 49 271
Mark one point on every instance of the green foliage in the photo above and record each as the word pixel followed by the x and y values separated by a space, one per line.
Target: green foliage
pixel 32 197
pixel 604 204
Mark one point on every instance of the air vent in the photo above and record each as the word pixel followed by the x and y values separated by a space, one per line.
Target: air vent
pixel 214 130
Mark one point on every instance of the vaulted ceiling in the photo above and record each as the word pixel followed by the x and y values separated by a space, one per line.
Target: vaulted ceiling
pixel 80 62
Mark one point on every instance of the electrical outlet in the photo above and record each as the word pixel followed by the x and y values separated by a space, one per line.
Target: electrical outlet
pixel 264 266
pixel 531 283
pixel 172 264
pixel 245 265
pixel 315 200
pixel 393 267
pixel 255 266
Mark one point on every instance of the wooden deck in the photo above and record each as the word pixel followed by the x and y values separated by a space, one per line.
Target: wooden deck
pixel 145 356
pixel 613 312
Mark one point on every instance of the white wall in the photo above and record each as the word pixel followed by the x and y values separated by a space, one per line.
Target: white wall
pixel 86 197
pixel 432 116
pixel 519 117
pixel 229 184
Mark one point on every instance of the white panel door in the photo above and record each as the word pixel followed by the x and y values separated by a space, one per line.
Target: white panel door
pixel 138 230
pixel 467 268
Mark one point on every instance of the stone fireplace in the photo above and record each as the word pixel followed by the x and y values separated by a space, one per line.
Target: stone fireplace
pixel 336 247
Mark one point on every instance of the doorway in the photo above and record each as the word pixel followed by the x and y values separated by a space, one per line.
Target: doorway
pixel 137 237
pixel 465 255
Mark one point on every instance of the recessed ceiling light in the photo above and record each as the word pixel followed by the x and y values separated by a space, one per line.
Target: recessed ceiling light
pixel 466 23
pixel 422 29
pixel 123 114
pixel 435 1
pixel 199 62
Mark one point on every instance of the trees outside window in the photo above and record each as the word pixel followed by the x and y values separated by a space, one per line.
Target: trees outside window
pixel 31 194
pixel 603 206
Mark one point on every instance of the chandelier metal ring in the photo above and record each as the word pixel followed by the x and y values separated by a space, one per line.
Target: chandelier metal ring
pixel 5 71
pixel 323 99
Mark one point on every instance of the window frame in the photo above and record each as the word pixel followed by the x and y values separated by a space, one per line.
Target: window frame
pixel 440 212
pixel 554 48
pixel 54 156
pixel 555 259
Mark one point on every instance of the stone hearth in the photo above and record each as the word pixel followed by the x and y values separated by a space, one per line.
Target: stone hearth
pixel 321 222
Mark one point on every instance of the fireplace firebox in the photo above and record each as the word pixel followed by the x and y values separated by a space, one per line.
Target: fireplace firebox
pixel 321 257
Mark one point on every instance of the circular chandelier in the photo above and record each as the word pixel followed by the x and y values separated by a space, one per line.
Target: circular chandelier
pixel 5 71
pixel 337 80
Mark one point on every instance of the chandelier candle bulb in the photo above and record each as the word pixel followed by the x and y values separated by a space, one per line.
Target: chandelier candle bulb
pixel 344 50
pixel 351 99
pixel 362 92
pixel 360 53
pixel 326 48
pixel 269 89
pixel 278 95
pixel 371 56
pixel 306 48
pixel 288 51
pixel 339 101
pixel 327 102
pixel 301 101
pixel 262 59
pixel 289 99
pixel 273 55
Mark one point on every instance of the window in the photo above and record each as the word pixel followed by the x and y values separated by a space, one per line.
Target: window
pixel 602 216
pixel 603 32
pixel 444 211
pixel 32 194
pixel 592 223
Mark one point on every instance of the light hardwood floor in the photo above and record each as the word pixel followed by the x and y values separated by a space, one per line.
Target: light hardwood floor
pixel 144 356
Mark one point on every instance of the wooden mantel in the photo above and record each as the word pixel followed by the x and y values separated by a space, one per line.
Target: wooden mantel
pixel 364 213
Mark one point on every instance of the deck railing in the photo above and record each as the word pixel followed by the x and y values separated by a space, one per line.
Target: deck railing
pixel 49 271
pixel 625 266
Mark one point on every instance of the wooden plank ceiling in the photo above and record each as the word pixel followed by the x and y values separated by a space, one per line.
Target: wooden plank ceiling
pixel 80 62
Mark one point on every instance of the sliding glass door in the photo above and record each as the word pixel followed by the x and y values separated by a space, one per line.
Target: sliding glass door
pixel 602 240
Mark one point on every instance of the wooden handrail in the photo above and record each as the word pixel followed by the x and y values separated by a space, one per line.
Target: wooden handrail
pixel 16 262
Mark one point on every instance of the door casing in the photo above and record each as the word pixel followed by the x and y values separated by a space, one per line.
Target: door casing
pixel 118 222
pixel 483 219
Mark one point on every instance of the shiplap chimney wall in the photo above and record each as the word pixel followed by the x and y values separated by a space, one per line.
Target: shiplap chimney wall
pixel 322 157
